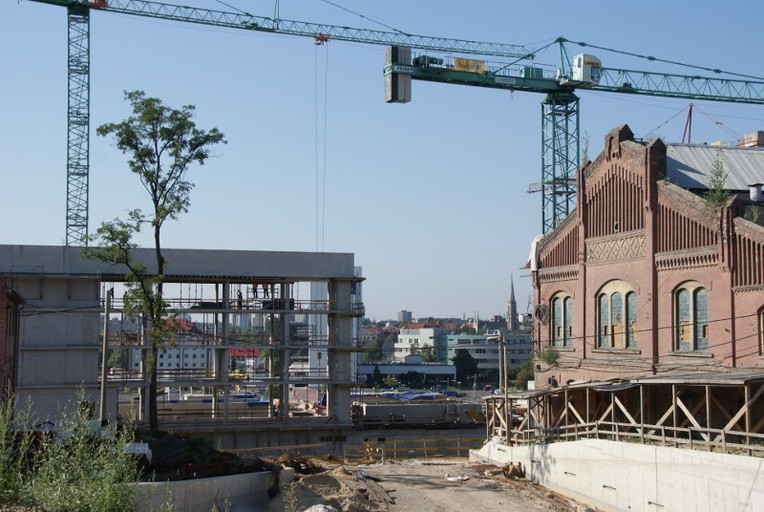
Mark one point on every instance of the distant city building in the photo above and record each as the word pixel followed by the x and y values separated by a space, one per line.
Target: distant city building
pixel 420 341
pixel 369 333
pixel 190 350
pixel 432 373
pixel 497 323
pixel 404 316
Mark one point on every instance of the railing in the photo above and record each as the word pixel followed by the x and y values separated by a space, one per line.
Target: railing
pixel 412 448
pixel 708 439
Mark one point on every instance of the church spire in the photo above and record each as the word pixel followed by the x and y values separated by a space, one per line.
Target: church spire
pixel 512 306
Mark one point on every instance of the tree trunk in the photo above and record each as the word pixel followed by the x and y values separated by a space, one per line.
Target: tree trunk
pixel 157 329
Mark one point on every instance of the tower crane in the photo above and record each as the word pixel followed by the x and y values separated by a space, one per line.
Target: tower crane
pixel 78 112
pixel 560 125
pixel 559 121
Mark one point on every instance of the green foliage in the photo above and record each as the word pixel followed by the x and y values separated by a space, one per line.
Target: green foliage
pixel 373 351
pixel 466 365
pixel 752 213
pixel 78 467
pixel 465 329
pixel 549 355
pixel 717 195
pixel 15 443
pixel 428 354
pixel 412 379
pixel 524 374
pixel 390 382
pixel 376 376
pixel 117 359
pixel 84 468
pixel 161 143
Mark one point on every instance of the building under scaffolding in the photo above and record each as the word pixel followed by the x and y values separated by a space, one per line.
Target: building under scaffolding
pixel 224 304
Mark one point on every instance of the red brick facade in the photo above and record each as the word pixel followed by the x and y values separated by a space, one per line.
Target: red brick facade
pixel 10 304
pixel 645 278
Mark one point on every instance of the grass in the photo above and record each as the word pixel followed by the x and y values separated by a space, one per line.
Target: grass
pixel 76 467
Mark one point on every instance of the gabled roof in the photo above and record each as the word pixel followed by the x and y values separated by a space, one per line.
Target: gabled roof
pixel 688 166
pixel 183 326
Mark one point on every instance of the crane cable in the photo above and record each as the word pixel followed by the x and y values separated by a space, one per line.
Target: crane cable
pixel 320 167
pixel 715 121
pixel 365 17
pixel 656 59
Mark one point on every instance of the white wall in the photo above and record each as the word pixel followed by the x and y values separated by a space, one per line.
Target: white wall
pixel 617 476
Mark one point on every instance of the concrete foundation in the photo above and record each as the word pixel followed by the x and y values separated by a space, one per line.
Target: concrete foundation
pixel 616 476
pixel 241 492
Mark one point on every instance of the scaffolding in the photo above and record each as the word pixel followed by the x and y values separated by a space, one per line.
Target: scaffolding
pixel 720 412
pixel 235 351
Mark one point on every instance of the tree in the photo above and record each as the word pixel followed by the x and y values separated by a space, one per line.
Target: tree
pixel 466 365
pixel 117 359
pixel 524 374
pixel 390 382
pixel 376 376
pixel 162 144
pixel 717 195
pixel 373 352
pixel 428 355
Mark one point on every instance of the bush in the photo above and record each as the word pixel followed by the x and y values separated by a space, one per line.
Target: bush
pixel 77 466
pixel 84 468
pixel 15 446
pixel 549 355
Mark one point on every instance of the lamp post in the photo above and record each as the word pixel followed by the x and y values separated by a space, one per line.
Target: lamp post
pixel 501 340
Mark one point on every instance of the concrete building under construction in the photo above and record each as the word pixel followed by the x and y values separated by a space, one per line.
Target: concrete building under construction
pixel 238 300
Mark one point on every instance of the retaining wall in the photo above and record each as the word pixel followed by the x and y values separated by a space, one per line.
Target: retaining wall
pixel 247 491
pixel 616 476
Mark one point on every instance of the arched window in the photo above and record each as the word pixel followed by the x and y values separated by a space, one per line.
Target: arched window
pixel 562 320
pixel 616 317
pixel 603 321
pixel 631 319
pixel 691 317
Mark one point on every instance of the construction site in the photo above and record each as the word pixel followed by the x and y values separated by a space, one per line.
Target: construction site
pixel 646 306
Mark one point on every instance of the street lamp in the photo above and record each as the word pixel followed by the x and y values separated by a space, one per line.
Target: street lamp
pixel 503 382
pixel 502 361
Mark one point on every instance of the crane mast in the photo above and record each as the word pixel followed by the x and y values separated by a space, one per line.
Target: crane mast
pixel 559 109
pixel 78 112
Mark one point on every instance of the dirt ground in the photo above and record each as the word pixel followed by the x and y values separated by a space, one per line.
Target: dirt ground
pixel 445 485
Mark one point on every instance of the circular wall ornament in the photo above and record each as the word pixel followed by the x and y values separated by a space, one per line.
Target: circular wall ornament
pixel 541 313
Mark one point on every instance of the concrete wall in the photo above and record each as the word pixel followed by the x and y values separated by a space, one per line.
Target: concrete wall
pixel 243 492
pixel 617 476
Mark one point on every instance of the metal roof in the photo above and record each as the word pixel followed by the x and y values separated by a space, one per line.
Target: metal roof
pixel 688 166
pixel 732 378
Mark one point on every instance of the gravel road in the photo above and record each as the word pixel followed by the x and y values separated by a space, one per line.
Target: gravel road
pixel 423 486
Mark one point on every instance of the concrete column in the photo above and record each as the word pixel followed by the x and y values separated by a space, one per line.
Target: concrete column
pixel 284 340
pixel 338 361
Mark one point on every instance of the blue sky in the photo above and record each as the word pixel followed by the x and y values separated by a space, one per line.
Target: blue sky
pixel 431 196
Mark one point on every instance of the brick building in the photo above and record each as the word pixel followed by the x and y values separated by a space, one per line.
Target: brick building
pixel 645 277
